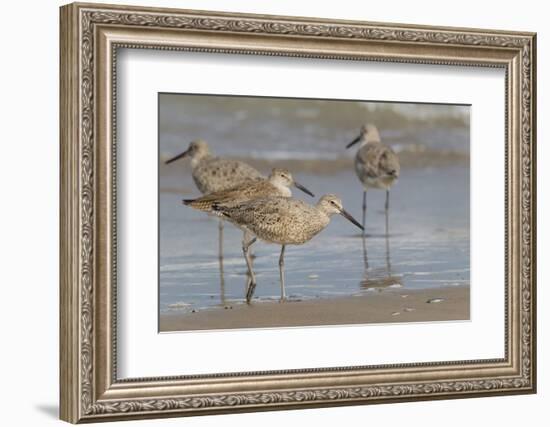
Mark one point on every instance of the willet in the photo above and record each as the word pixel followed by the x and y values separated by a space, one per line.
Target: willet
pixel 213 174
pixel 277 184
pixel 376 165
pixel 283 221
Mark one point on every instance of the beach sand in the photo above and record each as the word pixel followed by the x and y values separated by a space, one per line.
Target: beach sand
pixel 389 306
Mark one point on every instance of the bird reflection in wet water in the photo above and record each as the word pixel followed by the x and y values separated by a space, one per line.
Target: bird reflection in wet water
pixel 379 278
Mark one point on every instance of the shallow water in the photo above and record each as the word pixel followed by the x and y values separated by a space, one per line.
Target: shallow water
pixel 278 128
pixel 428 244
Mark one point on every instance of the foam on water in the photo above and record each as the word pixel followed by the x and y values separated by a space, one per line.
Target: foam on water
pixel 305 129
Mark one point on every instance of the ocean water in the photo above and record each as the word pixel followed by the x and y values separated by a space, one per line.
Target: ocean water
pixel 428 244
pixel 304 129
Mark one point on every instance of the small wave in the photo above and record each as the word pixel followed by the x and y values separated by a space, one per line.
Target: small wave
pixel 410 156
pixel 179 305
pixel 194 266
pixel 275 155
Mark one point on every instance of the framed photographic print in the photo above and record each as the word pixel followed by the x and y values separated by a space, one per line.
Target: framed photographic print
pixel 265 212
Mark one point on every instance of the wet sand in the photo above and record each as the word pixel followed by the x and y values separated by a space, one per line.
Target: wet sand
pixel 389 306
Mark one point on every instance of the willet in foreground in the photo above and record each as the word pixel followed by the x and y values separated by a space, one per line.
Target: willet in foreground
pixel 212 174
pixel 376 165
pixel 284 221
pixel 277 184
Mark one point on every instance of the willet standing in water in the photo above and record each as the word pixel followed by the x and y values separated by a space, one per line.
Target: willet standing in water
pixel 212 174
pixel 376 165
pixel 284 221
pixel 277 184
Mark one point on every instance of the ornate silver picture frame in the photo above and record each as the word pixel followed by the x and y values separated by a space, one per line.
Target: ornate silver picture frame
pixel 91 36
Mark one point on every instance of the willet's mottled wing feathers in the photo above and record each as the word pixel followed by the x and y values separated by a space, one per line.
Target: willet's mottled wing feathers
pixel 217 174
pixel 248 190
pixel 376 164
pixel 377 160
pixel 277 219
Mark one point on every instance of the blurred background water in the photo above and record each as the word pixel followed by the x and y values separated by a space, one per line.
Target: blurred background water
pixel 429 239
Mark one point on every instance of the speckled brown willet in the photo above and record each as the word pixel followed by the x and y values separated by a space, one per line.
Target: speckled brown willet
pixel 212 174
pixel 376 165
pixel 284 221
pixel 277 184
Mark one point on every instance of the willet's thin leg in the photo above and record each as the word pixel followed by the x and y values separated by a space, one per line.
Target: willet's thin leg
pixel 388 263
pixel 387 212
pixel 222 282
pixel 364 235
pixel 220 239
pixel 252 283
pixel 364 210
pixel 388 259
pixel 365 257
pixel 220 258
pixel 246 238
pixel 282 272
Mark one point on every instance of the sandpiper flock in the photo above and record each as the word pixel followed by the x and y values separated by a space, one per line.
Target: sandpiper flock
pixel 263 207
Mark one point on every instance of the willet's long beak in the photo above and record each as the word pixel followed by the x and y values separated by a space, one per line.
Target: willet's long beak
pixel 355 141
pixel 304 189
pixel 179 156
pixel 351 219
